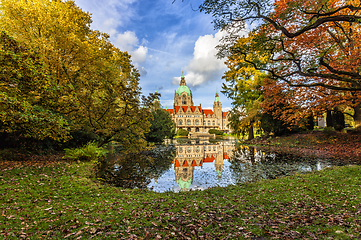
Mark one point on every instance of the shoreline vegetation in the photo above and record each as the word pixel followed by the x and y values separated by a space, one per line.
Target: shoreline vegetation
pixel 50 198
pixel 328 144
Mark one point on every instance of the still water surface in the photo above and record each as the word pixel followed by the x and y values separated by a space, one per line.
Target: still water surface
pixel 199 164
pixel 203 164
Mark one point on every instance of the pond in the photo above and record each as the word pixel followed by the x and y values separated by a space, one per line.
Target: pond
pixel 198 164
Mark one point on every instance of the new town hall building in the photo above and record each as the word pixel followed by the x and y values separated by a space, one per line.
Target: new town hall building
pixel 194 118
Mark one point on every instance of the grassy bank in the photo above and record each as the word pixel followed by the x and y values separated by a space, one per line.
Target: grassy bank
pixel 59 200
pixel 342 146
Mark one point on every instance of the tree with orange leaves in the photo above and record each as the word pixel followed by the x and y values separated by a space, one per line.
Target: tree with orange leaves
pixel 313 46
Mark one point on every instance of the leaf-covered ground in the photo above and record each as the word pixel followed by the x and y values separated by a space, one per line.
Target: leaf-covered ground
pixel 341 146
pixel 59 200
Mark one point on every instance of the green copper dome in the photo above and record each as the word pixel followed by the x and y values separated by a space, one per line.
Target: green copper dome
pixel 184 185
pixel 182 89
pixel 217 98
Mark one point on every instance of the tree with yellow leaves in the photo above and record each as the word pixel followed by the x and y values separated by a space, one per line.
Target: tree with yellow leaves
pixel 96 86
pixel 243 86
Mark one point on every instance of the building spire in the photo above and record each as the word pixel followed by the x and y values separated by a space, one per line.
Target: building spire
pixel 183 81
pixel 217 98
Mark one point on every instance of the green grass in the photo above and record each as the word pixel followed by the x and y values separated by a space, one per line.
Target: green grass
pixel 61 200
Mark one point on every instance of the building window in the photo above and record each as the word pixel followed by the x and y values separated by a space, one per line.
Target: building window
pixel 184 101
pixel 180 149
pixel 180 122
pixel 189 149
pixel 214 123
pixel 197 122
pixel 188 122
pixel 209 122
pixel 197 149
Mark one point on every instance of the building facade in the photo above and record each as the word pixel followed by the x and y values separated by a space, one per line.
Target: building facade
pixel 194 118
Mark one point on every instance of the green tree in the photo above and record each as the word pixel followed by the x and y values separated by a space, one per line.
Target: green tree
pixel 161 126
pixel 243 86
pixel 97 87
pixel 25 89
pixel 215 131
pixel 182 132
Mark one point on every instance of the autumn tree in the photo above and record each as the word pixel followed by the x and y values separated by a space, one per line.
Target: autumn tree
pixel 313 46
pixel 243 86
pixel 97 87
pixel 25 94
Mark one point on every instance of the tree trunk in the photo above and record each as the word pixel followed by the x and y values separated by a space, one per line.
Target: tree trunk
pixel 250 132
pixel 357 117
pixel 251 155
pixel 329 119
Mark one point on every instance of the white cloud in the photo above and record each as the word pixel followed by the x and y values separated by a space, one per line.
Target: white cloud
pixel 128 41
pixel 226 109
pixel 140 54
pixel 108 15
pixel 204 66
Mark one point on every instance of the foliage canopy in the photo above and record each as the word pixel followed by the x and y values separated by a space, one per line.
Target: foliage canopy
pixel 162 126
pixel 312 48
pixel 84 82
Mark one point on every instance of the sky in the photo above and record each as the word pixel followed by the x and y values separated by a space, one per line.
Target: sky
pixel 164 39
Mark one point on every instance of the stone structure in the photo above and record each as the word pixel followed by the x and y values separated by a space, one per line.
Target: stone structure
pixel 194 119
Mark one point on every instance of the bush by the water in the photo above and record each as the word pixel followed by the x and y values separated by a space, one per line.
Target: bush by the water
pixel 215 131
pixel 182 132
pixel 89 152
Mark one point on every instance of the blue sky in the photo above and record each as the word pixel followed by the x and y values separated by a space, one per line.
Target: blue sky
pixel 164 39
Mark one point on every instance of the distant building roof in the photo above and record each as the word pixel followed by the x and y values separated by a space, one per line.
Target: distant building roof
pixel 209 159
pixel 170 111
pixel 181 89
pixel 208 111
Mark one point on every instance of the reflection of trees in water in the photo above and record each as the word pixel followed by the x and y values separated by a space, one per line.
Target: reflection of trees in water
pixel 135 170
pixel 247 164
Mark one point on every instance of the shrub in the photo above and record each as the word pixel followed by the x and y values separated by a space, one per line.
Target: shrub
pixel 215 131
pixel 328 131
pixel 182 132
pixel 89 152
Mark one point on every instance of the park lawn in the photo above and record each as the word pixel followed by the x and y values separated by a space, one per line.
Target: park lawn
pixel 60 200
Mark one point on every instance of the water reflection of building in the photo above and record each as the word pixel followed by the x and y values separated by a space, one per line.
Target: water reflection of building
pixel 195 154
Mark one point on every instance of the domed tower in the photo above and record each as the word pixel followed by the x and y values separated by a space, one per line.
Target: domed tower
pixel 217 107
pixel 183 95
